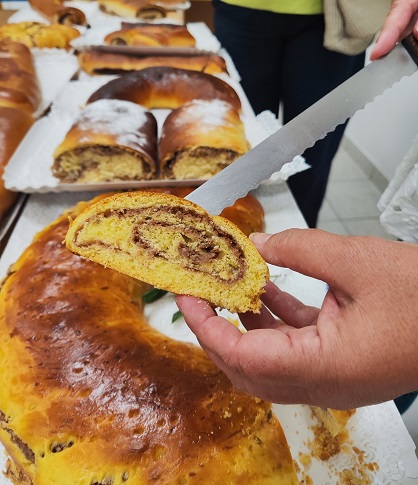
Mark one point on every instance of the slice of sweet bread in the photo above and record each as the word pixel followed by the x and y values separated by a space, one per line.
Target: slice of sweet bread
pixel 174 245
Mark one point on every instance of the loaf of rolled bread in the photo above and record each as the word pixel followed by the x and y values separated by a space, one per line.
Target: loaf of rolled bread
pixel 141 9
pixel 38 34
pixel 111 140
pixel 174 245
pixel 91 394
pixel 200 139
pixel 167 87
pixel 151 35
pixel 57 13
pixel 19 86
pixel 96 62
pixel 14 124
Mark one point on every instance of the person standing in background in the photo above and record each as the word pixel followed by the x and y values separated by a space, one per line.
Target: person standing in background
pixel 278 49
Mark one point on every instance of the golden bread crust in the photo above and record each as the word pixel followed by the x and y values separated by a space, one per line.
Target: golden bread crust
pixel 14 124
pixel 167 87
pixel 174 245
pixel 19 87
pixel 141 9
pixel 95 62
pixel 152 35
pixel 90 393
pixel 201 138
pixel 56 12
pixel 37 34
pixel 110 140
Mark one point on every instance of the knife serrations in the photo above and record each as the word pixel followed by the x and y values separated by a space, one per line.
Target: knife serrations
pixel 247 172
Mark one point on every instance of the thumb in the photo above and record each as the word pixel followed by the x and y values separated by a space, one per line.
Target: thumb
pixel 340 261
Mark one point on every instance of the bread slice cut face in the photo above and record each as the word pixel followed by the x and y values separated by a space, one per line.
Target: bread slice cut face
pixel 174 245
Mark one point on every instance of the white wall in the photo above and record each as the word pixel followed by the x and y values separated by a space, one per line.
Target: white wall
pixel 384 130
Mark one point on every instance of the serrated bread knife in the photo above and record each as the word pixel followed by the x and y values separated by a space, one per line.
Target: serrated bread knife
pixel 258 164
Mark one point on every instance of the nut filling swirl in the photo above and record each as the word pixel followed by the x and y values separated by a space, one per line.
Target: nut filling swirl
pixel 192 240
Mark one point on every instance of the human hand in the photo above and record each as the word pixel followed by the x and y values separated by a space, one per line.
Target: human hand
pixel 359 348
pixel 401 20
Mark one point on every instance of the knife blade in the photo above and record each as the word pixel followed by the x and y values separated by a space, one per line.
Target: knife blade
pixel 258 164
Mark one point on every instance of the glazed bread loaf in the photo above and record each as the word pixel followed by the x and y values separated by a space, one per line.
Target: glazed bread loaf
pixel 90 393
pixel 56 12
pixel 37 34
pixel 110 140
pixel 95 62
pixel 174 245
pixel 19 87
pixel 200 139
pixel 14 124
pixel 152 35
pixel 141 9
pixel 167 87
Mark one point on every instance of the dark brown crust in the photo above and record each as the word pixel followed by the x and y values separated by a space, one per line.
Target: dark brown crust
pixel 153 85
pixel 96 62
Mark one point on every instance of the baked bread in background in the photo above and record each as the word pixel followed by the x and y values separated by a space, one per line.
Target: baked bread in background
pixel 90 393
pixel 20 97
pixel 201 138
pixel 151 35
pixel 110 140
pixel 167 87
pixel 96 62
pixel 173 245
pixel 19 86
pixel 141 9
pixel 38 34
pixel 56 12
pixel 14 124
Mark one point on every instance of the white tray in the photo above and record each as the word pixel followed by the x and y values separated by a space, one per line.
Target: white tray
pixel 29 169
pixel 205 40
pixel 378 431
pixel 54 69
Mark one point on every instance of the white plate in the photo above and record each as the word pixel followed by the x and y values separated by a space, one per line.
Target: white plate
pixel 29 169
pixel 205 40
pixel 378 431
pixel 54 69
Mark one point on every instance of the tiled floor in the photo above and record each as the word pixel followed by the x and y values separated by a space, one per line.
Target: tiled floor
pixel 350 206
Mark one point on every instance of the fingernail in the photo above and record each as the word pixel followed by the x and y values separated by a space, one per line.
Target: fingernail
pixel 259 238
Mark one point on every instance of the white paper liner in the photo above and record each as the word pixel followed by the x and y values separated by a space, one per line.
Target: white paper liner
pixel 29 169
pixel 378 431
pixel 54 69
pixel 205 40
